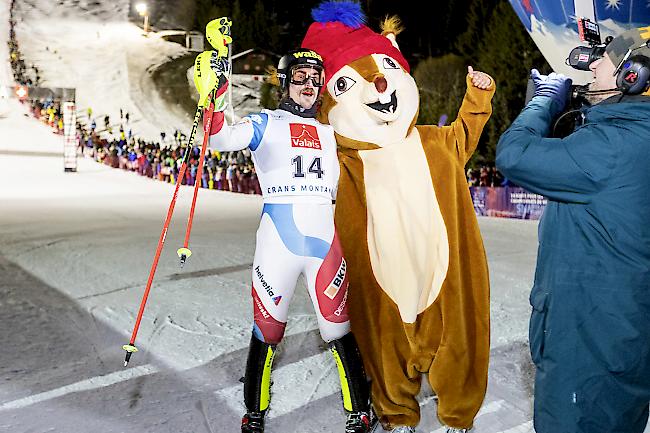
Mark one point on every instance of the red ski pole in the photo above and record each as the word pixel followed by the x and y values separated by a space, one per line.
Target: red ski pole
pixel 130 348
pixel 218 34
pixel 184 252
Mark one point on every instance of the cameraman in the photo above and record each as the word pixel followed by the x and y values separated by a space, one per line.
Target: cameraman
pixel 590 323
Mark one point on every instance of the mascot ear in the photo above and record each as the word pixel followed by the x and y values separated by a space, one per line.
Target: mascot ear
pixel 393 40
pixel 391 27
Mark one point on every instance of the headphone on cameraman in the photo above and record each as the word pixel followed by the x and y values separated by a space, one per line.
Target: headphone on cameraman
pixel 633 77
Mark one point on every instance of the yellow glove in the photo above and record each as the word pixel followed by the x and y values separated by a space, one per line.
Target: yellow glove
pixel 218 33
pixel 212 68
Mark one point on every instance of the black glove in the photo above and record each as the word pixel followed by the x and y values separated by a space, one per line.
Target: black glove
pixel 220 65
pixel 555 86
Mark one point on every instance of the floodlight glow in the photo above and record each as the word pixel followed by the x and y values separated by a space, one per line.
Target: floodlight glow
pixel 142 10
pixel 21 92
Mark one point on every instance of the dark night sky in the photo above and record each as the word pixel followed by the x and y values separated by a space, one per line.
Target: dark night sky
pixel 431 28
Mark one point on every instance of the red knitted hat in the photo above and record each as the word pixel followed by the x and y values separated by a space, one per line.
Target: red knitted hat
pixel 340 37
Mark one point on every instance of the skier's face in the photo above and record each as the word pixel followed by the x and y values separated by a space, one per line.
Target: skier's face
pixel 303 86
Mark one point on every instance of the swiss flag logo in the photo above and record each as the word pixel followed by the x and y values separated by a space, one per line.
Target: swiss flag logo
pixel 305 136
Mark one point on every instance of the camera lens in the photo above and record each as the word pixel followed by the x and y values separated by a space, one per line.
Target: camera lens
pixel 581 57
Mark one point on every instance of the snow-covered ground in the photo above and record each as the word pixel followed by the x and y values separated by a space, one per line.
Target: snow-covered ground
pixel 128 199
pixel 90 237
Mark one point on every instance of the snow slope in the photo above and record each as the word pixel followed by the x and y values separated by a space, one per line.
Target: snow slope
pixel 90 46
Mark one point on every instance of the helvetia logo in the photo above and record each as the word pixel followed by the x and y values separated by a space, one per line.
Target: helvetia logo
pixel 277 300
pixel 337 282
pixel 305 136
pixel 267 286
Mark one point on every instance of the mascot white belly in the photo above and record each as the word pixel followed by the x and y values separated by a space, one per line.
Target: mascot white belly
pixel 407 238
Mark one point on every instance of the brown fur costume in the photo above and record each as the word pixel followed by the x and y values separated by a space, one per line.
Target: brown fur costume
pixel 419 292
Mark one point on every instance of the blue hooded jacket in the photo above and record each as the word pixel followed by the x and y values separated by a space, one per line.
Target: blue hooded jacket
pixel 591 297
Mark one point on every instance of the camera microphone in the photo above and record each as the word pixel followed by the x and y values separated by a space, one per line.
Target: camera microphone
pixel 583 90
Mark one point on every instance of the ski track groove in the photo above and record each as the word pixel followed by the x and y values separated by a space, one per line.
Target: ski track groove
pixel 175 277
pixel 84 385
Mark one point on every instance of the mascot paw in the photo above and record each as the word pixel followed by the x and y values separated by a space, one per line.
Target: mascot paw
pixel 479 79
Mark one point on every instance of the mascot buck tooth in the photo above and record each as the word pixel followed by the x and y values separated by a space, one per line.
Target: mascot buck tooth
pixel 419 288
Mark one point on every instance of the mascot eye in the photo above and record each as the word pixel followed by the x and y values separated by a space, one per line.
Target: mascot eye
pixel 390 64
pixel 342 85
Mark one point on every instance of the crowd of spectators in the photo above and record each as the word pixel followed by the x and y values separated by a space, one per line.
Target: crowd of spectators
pixel 162 160
pixel 49 112
pixel 28 76
pixel 486 176
pixel 227 171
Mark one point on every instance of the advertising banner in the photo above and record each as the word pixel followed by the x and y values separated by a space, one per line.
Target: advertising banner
pixel 507 202
pixel 70 137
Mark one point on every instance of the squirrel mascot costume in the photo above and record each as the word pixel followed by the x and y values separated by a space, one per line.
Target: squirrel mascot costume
pixel 419 287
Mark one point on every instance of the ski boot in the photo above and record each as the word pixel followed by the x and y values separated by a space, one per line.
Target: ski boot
pixel 257 385
pixel 252 422
pixel 354 384
pixel 358 422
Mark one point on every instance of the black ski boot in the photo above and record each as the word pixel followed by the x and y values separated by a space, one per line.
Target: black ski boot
pixel 354 384
pixel 257 385
pixel 252 422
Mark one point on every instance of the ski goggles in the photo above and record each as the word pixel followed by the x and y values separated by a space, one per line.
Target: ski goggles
pixel 300 75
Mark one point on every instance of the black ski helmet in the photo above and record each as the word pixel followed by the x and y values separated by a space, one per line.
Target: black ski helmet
pixel 296 58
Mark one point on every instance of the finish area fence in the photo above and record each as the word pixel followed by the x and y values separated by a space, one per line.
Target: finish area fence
pixel 507 202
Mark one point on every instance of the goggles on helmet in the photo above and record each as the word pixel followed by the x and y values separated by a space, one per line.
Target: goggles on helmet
pixel 301 74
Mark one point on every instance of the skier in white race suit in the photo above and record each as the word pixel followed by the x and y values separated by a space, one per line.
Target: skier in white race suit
pixel 296 162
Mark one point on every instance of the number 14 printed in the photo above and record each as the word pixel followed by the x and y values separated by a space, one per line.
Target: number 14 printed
pixel 314 167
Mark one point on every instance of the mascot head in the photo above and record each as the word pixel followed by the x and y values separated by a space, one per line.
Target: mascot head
pixel 370 96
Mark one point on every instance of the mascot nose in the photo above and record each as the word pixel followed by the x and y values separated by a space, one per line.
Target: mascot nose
pixel 381 84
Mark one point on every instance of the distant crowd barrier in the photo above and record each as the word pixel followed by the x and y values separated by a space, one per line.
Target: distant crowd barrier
pixel 507 202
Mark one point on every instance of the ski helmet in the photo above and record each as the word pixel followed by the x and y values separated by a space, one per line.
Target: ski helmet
pixel 303 57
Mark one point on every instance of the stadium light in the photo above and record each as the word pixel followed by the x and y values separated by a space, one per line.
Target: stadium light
pixel 22 92
pixel 143 11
